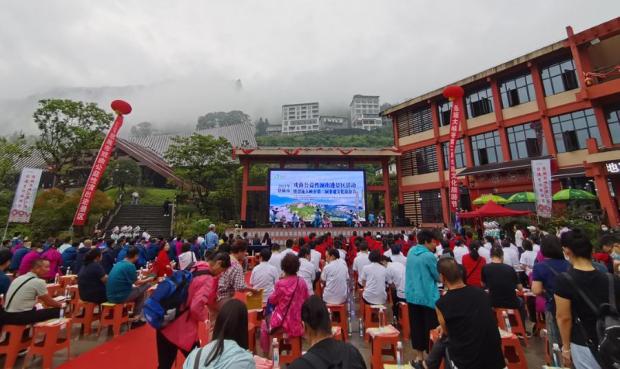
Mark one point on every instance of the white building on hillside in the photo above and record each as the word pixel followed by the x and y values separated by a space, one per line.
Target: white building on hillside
pixel 365 112
pixel 299 118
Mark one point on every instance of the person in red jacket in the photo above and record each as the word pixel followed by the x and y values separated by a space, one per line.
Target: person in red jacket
pixel 321 246
pixel 473 264
pixel 162 265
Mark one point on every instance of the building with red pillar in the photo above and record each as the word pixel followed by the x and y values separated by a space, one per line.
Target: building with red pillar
pixel 255 196
pixel 560 102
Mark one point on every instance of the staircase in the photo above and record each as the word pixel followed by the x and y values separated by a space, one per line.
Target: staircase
pixel 150 218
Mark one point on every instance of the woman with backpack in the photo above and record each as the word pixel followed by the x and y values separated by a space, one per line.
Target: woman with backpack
pixel 182 333
pixel 285 302
pixel 229 347
pixel 583 298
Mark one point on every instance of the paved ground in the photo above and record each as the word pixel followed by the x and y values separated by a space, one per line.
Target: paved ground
pixel 534 352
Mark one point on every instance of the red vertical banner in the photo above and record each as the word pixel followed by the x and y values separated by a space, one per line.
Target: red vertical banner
pixel 120 107
pixel 455 94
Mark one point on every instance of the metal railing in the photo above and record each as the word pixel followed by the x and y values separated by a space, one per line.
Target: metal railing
pixel 106 219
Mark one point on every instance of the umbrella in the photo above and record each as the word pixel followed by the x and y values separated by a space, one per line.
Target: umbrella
pixel 489 197
pixel 573 194
pixel 521 197
pixel 492 210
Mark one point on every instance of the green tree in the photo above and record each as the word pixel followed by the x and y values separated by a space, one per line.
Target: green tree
pixel 261 127
pixel 382 137
pixel 121 172
pixel 68 129
pixel 143 129
pixel 206 162
pixel 222 119
pixel 10 152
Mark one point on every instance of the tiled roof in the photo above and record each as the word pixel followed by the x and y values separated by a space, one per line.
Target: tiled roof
pixel 236 135
pixel 34 160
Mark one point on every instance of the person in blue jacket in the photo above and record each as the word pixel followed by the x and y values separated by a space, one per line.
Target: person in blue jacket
pixel 16 260
pixel 68 257
pixel 152 249
pixel 421 292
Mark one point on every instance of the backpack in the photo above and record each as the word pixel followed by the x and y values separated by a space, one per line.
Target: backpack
pixel 168 301
pixel 607 326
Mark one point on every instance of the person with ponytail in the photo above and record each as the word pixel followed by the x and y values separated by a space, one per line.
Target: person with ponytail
pixel 229 347
pixel 92 278
pixel 473 264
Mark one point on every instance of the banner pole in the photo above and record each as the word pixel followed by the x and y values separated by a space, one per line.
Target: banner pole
pixel 6 228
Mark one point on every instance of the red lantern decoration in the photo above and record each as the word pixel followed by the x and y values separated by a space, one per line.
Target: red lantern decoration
pixel 121 107
pixel 453 92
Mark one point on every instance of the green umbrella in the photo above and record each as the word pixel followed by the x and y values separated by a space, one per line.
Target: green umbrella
pixel 489 197
pixel 521 197
pixel 573 194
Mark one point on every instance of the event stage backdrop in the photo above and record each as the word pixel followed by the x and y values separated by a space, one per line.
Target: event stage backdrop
pixel 337 193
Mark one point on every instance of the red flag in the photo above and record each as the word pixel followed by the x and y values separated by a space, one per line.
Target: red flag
pixel 101 163
pixel 455 94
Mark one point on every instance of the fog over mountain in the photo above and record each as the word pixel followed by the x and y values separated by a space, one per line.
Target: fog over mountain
pixel 175 61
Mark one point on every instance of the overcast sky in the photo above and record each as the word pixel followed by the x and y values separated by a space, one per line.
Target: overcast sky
pixel 184 56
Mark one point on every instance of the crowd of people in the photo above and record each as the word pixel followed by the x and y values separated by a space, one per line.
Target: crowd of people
pixel 441 274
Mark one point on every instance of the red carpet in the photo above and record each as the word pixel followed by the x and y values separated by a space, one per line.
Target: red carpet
pixel 134 349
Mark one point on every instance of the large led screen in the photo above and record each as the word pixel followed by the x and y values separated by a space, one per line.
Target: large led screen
pixel 337 194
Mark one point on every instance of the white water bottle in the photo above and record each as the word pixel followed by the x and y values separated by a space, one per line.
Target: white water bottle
pixel 62 311
pixel 69 271
pixel 361 325
pixel 276 354
pixel 381 317
pixel 56 278
pixel 506 321
pixel 399 354
pixel 349 327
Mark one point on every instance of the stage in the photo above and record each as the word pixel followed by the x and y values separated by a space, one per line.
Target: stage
pixel 280 235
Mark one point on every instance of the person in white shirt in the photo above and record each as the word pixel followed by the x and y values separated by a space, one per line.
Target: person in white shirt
pixel 374 278
pixel 518 236
pixel 511 257
pixel 334 278
pixel 187 256
pixel 307 271
pixel 395 255
pixel 343 254
pixel 276 257
pixel 396 280
pixel 485 253
pixel 264 275
pixel 459 251
pixel 315 257
pixel 528 257
pixel 289 248
pixel 490 241
pixel 360 261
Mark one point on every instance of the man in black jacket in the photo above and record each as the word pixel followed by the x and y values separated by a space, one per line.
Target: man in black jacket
pixel 325 352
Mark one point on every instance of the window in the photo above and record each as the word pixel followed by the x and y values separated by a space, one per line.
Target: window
pixel 419 161
pixel 526 141
pixel 421 120
pixel 613 121
pixel 444 109
pixel 426 159
pixel 559 77
pixel 404 125
pixel 517 91
pixel 431 206
pixel 459 154
pixel 486 148
pixel 573 129
pixel 479 103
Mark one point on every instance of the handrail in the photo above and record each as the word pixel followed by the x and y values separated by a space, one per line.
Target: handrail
pixel 110 214
pixel 172 211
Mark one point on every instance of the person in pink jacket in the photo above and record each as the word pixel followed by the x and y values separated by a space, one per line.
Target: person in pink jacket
pixel 55 259
pixel 288 295
pixel 182 333
pixel 35 253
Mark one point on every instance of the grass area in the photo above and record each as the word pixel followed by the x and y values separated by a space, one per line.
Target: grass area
pixel 148 195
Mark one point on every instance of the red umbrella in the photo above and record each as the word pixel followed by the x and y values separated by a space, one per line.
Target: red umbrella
pixel 491 209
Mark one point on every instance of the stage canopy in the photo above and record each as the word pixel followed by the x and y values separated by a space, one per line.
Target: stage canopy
pixel 491 210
